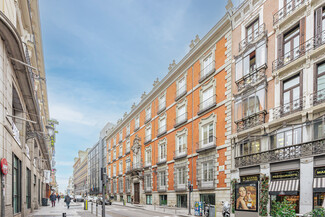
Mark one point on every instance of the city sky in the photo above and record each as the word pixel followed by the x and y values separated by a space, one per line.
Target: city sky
pixel 101 55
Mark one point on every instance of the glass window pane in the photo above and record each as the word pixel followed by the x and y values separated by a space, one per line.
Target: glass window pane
pixel 239 70
pixel 290 83
pixel 238 110
pixel 288 138
pixel 260 100
pixel 297 136
pixel 280 140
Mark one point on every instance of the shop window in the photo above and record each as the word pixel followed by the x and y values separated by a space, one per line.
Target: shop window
pixel 163 200
pixel 182 200
pixel 208 198
pixel 149 199
pixel 16 183
pixel 318 200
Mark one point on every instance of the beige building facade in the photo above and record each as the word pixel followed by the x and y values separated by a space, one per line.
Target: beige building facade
pixel 80 173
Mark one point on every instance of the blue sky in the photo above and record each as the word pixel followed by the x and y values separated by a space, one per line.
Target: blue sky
pixel 101 55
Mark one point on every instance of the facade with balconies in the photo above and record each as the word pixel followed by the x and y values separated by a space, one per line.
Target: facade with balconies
pixel 180 130
pixel 280 137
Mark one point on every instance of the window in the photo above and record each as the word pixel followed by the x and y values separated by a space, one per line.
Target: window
pixel 181 144
pixel 149 199
pixel 121 167
pixel 208 198
pixel 181 114
pixel 128 165
pixel 148 182
pixel 28 188
pixel 207 171
pixel 114 154
pixel 207 66
pixel 207 98
pixel 181 87
pixel 163 200
pixel 320 25
pixel 207 134
pixel 120 185
pixel 320 82
pixel 148 156
pixel 109 157
pixel 252 60
pixel 114 170
pixel 114 186
pixel 108 144
pixel 127 185
pixel 287 137
pixel 127 148
pixel 162 125
pixel 137 123
pixel 291 42
pixel 121 150
pixel 121 136
pixel 162 179
pixel 249 147
pixel 148 134
pixel 109 172
pixel 181 176
pixel 148 114
pixel 161 103
pixel 319 129
pixel 114 143
pixel 250 104
pixel 16 183
pixel 252 31
pixel 128 130
pixel 162 152
pixel 291 94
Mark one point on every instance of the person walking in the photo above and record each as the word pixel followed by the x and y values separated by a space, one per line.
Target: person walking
pixel 53 199
pixel 67 200
pixel 59 198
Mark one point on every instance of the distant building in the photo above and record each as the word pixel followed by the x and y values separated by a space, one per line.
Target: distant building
pixel 80 173
pixel 70 190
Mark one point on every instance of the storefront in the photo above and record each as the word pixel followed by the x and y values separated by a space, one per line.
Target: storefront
pixel 163 199
pixel 285 185
pixel 182 200
pixel 208 198
pixel 319 187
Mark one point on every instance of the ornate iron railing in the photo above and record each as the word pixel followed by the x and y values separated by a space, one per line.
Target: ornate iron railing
pixel 252 78
pixel 180 119
pixel 206 144
pixel 317 97
pixel 207 71
pixel 207 104
pixel 181 91
pixel 287 9
pixel 251 121
pixel 148 118
pixel 289 108
pixel 301 150
pixel 253 37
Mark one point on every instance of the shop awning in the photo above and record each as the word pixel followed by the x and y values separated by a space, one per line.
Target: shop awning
pixel 285 187
pixel 319 184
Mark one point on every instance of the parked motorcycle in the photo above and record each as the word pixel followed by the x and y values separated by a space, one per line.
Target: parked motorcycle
pixel 226 209
pixel 206 210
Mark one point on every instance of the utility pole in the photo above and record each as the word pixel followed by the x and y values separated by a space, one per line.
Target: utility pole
pixel 190 189
pixel 103 178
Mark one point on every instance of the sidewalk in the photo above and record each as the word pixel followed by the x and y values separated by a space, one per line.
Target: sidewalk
pixel 76 210
pixel 162 209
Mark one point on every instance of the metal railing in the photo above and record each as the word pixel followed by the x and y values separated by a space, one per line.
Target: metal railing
pixel 180 154
pixel 136 127
pixel 289 108
pixel 127 134
pixel 253 37
pixel 161 130
pixel 148 118
pixel 147 139
pixel 251 121
pixel 181 91
pixel 317 97
pixel 206 144
pixel 161 107
pixel 180 119
pixel 207 104
pixel 252 78
pixel 286 10
pixel 307 149
pixel 207 71
pixel 299 51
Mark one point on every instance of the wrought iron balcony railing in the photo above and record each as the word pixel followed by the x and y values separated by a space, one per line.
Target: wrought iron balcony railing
pixel 161 107
pixel 252 78
pixel 180 119
pixel 181 91
pixel 147 139
pixel 148 118
pixel 289 108
pixel 299 51
pixel 180 154
pixel 251 121
pixel 317 97
pixel 287 9
pixel 207 71
pixel 161 130
pixel 253 37
pixel 207 104
pixel 206 144
pixel 307 149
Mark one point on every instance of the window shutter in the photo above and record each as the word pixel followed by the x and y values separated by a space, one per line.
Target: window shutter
pixel 261 55
pixel 239 69
pixel 318 25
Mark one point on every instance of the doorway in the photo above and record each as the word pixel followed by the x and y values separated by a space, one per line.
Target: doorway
pixel 136 193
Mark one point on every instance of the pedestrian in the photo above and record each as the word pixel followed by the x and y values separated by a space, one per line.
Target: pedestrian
pixel 67 200
pixel 53 199
pixel 59 198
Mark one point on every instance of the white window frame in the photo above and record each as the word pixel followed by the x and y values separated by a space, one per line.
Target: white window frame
pixel 162 178
pixel 121 136
pixel 128 146
pixel 120 151
pixel 205 87
pixel 114 154
pixel 128 130
pixel 162 102
pixel 137 122
pixel 209 166
pixel 120 167
pixel 162 147
pixel 161 119
pixel 181 88
pixel 182 171
pixel 183 133
pixel 148 156
pixel 182 104
pixel 148 113
pixel 204 121
pixel 114 170
pixel 114 141
pixel 211 54
pixel 148 136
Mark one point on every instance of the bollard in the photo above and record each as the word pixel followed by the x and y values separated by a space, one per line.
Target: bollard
pixel 92 204
pixel 64 214
pixel 86 205
pixel 96 209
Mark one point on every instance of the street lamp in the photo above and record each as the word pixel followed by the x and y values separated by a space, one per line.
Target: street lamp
pixel 50 130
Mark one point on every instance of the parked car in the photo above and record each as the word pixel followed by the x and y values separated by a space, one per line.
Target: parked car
pixel 78 198
pixel 107 201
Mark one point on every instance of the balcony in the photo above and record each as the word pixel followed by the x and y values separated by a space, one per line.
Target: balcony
pixel 206 144
pixel 181 91
pixel 252 38
pixel 299 51
pixel 161 160
pixel 180 187
pixel 203 184
pixel 317 97
pixel 307 149
pixel 147 189
pixel 207 71
pixel 180 154
pixel 288 9
pixel 128 169
pixel 127 151
pixel 162 188
pixel 181 119
pixel 136 166
pixel 127 133
pixel 148 118
pixel 161 107
pixel 136 127
pixel 147 139
pixel 253 78
pixel 251 121
pixel 207 104
pixel 161 130
pixel 289 108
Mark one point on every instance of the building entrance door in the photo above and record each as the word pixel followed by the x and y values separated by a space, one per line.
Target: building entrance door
pixel 136 193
